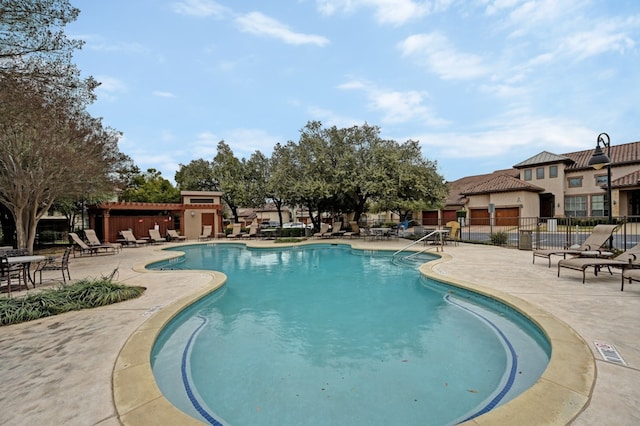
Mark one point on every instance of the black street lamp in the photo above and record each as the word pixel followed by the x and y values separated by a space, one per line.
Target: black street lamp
pixel 598 160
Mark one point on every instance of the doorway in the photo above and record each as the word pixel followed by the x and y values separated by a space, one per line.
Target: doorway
pixel 547 205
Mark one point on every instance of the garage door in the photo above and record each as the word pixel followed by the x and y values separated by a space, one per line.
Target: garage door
pixel 507 216
pixel 449 215
pixel 479 217
pixel 503 216
pixel 430 218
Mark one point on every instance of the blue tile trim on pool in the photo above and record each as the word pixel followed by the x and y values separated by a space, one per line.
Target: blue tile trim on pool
pixel 514 362
pixel 185 377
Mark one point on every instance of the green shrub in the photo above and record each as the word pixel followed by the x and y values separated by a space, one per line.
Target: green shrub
pixel 499 238
pixel 82 294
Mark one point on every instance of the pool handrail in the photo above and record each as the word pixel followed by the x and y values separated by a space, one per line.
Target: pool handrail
pixel 432 233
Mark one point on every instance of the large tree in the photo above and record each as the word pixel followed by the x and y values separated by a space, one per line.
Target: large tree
pixel 48 150
pixel 149 187
pixel 196 176
pixel 230 175
pixel 50 147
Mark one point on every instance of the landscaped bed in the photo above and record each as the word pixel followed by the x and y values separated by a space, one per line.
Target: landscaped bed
pixel 82 294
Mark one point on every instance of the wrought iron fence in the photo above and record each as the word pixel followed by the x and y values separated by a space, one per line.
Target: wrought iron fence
pixel 541 233
pixel 528 233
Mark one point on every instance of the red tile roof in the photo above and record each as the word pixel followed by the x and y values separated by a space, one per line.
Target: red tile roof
pixel 627 153
pixel 508 180
pixel 502 183
pixel 632 179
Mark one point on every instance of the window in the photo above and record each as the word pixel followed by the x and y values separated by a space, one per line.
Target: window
pixel 599 205
pixel 202 201
pixel 527 174
pixel 553 171
pixel 540 173
pixel 601 180
pixel 575 206
pixel 575 182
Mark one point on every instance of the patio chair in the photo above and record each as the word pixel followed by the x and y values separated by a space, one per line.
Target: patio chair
pixel 324 231
pixel 355 230
pixel 236 232
pixel 173 235
pixel 627 259
pixel 130 239
pixel 454 232
pixel 253 230
pixel 155 237
pixel 599 236
pixel 82 247
pixel 630 275
pixel 11 272
pixel 336 230
pixel 94 241
pixel 206 232
pixel 56 264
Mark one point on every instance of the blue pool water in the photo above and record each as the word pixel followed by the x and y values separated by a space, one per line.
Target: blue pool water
pixel 325 334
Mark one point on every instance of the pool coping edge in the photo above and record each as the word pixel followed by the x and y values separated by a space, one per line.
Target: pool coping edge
pixel 562 392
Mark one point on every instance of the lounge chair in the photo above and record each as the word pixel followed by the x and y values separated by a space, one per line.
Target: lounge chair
pixel 131 240
pixel 206 232
pixel 155 236
pixel 324 231
pixel 236 232
pixel 627 259
pixel 94 241
pixel 336 230
pixel 630 275
pixel 173 235
pixel 56 264
pixel 355 230
pixel 84 248
pixel 599 236
pixel 253 230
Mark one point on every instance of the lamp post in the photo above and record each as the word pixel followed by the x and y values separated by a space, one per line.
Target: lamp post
pixel 598 160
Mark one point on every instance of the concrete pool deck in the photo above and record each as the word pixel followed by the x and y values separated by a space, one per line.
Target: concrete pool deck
pixel 62 370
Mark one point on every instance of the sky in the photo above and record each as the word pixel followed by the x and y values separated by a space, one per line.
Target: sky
pixel 481 84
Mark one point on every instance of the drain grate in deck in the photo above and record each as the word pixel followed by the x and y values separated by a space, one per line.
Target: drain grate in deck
pixel 609 353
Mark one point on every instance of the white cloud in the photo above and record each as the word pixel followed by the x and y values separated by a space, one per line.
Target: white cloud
pixel 393 12
pixel 162 94
pixel 330 118
pixel 200 8
pixel 510 134
pixel 397 106
pixel 110 87
pixel 258 24
pixel 436 53
pixel 245 142
pixel 99 43
pixel 600 40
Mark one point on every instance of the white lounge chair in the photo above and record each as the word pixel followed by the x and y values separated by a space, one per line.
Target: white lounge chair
pixel 155 236
pixel 173 235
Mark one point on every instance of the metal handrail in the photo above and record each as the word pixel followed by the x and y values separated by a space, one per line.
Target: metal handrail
pixel 418 241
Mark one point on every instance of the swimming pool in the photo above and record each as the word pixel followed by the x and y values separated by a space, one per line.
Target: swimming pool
pixel 327 334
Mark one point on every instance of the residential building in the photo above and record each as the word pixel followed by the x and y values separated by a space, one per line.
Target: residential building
pixel 547 185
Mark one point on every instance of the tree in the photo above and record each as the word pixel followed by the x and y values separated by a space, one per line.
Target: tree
pixel 150 187
pixel 413 182
pixel 48 149
pixel 34 47
pixel 229 173
pixel 196 176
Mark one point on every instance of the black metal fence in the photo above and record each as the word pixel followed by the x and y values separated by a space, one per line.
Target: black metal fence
pixel 542 233
pixel 528 233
